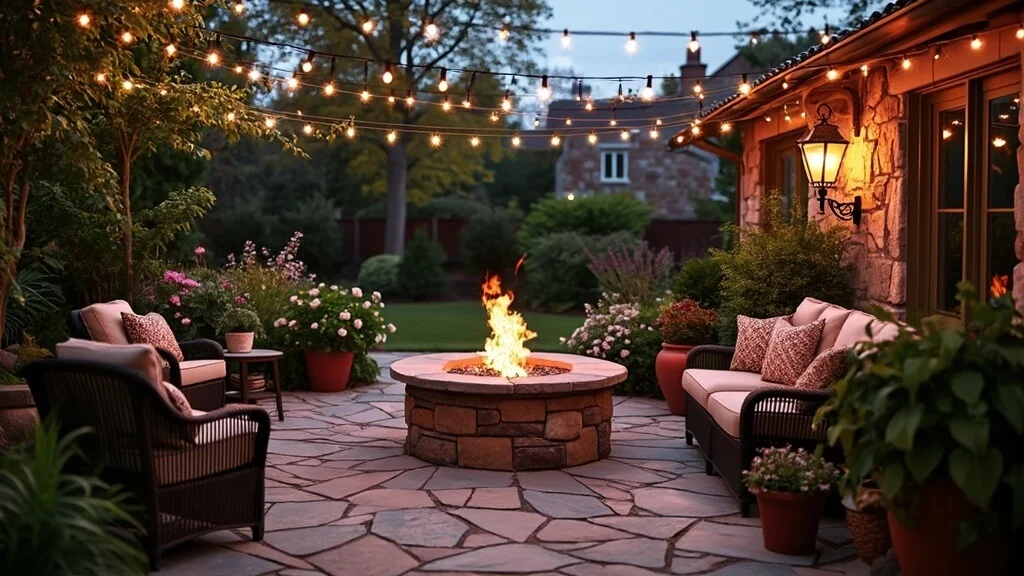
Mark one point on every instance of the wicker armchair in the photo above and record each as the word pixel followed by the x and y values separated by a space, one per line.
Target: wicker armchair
pixel 203 387
pixel 771 415
pixel 192 474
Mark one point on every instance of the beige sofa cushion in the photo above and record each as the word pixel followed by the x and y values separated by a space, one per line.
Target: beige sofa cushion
pixel 834 317
pixel 216 449
pixel 725 407
pixel 196 371
pixel 140 357
pixel 855 330
pixel 808 311
pixel 103 321
pixel 700 383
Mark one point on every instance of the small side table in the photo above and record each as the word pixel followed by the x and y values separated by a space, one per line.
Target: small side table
pixel 257 356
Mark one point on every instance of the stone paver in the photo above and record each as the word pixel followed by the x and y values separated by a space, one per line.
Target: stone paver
pixel 344 499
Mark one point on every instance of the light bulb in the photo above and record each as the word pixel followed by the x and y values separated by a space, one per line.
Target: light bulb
pixel 785 85
pixel 544 92
pixel 350 132
pixel 446 105
pixel 307 65
pixel 388 76
pixel 365 94
pixel 832 74
pixel 905 63
pixel 503 34
pixel 695 129
pixel 163 92
pixel 726 127
pixel 431 32
pixel 231 116
pixel 624 135
pixel 648 91
pixel 495 117
pixel 754 38
pixel 679 139
pixel 213 58
pixel 516 141
pixel 238 69
pixel 442 83
pixel 293 83
pixel 467 103
pixel 694 45
pixel 474 141
pixel 171 49
pixel 101 77
pixel 506 103
pixel 238 7
pixel 84 20
pixel 570 196
pixel 613 122
pixel 269 122
pixel 697 88
pixel 998 142
pixel 568 121
pixel 825 36
pixel 435 140
pixel 368 26
pixel 409 100
pixel 556 140
pixel 653 134
pixel 127 38
pixel 589 106
pixel 592 138
pixel 391 100
pixel 329 89
pixel 744 86
pixel 631 45
pixel 302 18
pixel 308 128
pixel 975 42
pixel 566 39
pixel 254 74
pixel 127 85
pixel 1020 33
pixel 864 69
pixel 177 4
pixel 392 137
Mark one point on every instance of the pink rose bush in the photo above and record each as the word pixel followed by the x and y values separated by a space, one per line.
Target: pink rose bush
pixel 332 319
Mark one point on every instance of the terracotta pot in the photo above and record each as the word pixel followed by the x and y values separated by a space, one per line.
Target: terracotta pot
pixel 239 342
pixel 930 546
pixel 669 366
pixel 328 371
pixel 789 522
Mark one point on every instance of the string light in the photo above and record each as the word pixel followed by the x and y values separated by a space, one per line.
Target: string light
pixel 679 139
pixel 544 92
pixel 624 135
pixel 467 103
pixel 653 133
pixel 1020 32
pixel 516 141
pixel 292 83
pixel 975 42
pixel 744 86
pixel 365 94
pixel 127 38
pixel 504 33
pixel 307 64
pixel 697 88
pixel 329 89
pixel 506 102
pixel 568 121
pixel 308 128
pixel 754 38
pixel 832 74
pixel 785 112
pixel 648 91
pixel 431 32
pixel 391 98
pixel 785 85
pixel 213 58
pixel 350 131
pixel 177 4
pixel 127 85
pixel 695 129
pixel 231 116
pixel 254 74
pixel 938 53
pixel 579 90
pixel 556 141
pixel 657 122
pixel 864 69
pixel 694 45
pixel 238 69
pixel 825 36
pixel 387 77
pixel 302 18
pixel 725 127
pixel 998 142
pixel 442 83
pixel 368 26
pixel 566 39
pixel 905 63
pixel 238 7
pixel 592 138
pixel 447 104
pixel 392 137
pixel 171 49
pixel 631 45
pixel 410 101
pixel 589 106
pixel 474 141
pixel 84 20
pixel 163 92
pixel 269 122
pixel 495 117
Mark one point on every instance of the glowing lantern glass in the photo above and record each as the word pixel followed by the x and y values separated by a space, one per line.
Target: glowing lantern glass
pixel 822 150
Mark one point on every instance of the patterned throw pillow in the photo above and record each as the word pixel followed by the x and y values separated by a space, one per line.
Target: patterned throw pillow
pixel 825 369
pixel 752 341
pixel 152 329
pixel 790 352
pixel 177 399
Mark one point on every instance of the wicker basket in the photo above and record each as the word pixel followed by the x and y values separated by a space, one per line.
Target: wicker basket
pixel 869 527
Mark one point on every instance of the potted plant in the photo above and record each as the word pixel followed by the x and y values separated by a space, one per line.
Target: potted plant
pixel 791 487
pixel 683 325
pixel 240 326
pixel 936 418
pixel 331 326
pixel 868 523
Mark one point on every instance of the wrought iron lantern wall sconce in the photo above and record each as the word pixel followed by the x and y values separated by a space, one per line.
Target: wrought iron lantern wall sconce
pixel 822 150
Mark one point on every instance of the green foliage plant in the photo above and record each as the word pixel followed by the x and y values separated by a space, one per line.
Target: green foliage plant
pixel 939 402
pixel 488 242
pixel 238 319
pixel 558 276
pixel 700 279
pixel 264 279
pixel 770 270
pixel 380 273
pixel 597 215
pixel 55 521
pixel 421 274
pixel 686 323
pixel 634 271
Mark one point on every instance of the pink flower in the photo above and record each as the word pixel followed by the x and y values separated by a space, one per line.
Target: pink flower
pixel 186 321
pixel 358 323
pixel 315 303
pixel 177 314
pixel 342 332
pixel 176 300
pixel 200 251
pixel 314 292
pixel 240 300
pixel 357 292
pixel 345 315
pixel 367 304
pixel 624 353
pixel 391 328
pixel 314 326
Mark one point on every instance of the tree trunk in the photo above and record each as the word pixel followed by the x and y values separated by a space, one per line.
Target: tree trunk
pixel 6 280
pixel 126 225
pixel 398 174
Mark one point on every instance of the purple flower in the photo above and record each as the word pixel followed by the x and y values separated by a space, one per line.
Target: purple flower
pixel 176 300
pixel 186 321
pixel 200 251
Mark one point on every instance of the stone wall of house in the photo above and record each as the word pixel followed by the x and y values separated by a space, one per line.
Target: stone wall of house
pixel 667 182
pixel 1018 208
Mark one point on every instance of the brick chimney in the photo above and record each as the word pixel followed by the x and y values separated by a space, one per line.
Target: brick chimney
pixel 690 72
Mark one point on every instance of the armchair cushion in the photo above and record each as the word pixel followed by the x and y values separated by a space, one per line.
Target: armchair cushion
pixel 700 383
pixel 752 341
pixel 790 352
pixel 219 446
pixel 177 399
pixel 151 329
pixel 140 357
pixel 196 371
pixel 103 321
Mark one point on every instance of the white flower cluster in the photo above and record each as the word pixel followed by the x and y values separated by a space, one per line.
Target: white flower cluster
pixel 606 331
pixel 339 314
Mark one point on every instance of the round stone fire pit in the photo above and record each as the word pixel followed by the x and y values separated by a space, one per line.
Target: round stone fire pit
pixel 496 423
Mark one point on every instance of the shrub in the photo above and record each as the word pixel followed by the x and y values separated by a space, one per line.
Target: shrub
pixel 488 242
pixel 791 471
pixel 632 271
pixel 333 319
pixel 440 207
pixel 191 301
pixel 264 280
pixel 421 275
pixel 598 215
pixel 557 276
pixel 56 521
pixel 240 320
pixel 700 279
pixel 380 273
pixel 771 270
pixel 623 333
pixel 686 323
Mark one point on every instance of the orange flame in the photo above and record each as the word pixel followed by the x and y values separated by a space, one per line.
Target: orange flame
pixel 998 287
pixel 504 350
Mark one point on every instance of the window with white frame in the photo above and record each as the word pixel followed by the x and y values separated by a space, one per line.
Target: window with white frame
pixel 615 166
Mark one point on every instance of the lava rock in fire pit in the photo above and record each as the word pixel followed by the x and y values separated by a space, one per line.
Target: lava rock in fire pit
pixel 483 370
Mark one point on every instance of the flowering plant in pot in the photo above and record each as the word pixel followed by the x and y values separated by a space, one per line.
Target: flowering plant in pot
pixel 936 418
pixel 332 326
pixel 683 325
pixel 240 327
pixel 791 487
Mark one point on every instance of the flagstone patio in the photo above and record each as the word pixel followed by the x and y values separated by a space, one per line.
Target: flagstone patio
pixel 343 499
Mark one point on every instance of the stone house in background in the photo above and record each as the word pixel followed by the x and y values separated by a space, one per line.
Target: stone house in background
pixel 928 94
pixel 669 183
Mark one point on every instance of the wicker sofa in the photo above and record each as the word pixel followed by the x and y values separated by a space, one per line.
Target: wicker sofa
pixel 201 376
pixel 731 414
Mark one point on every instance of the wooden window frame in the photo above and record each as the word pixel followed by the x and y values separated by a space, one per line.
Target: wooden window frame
pixel 771 177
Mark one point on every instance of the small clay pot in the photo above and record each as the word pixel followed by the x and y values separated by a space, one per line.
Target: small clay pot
pixel 239 342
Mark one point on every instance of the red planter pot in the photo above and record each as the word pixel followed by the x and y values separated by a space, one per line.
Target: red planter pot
pixel 669 366
pixel 789 522
pixel 328 371
pixel 930 547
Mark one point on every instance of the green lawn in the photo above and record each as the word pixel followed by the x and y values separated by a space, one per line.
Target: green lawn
pixel 462 326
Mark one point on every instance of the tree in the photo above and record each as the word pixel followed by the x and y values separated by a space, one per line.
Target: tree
pixel 468 38
pixel 670 85
pixel 788 14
